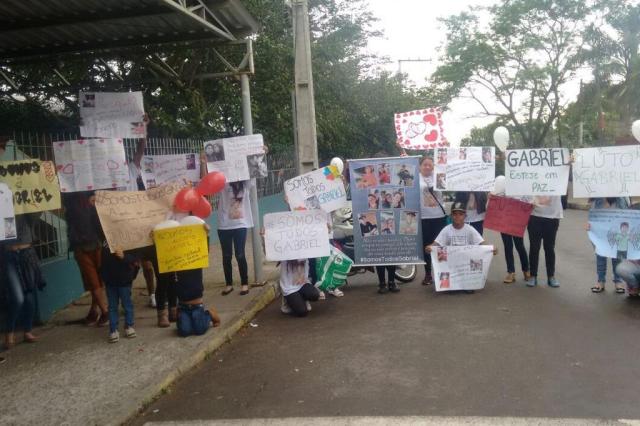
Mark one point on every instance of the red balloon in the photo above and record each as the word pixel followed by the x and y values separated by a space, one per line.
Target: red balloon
pixel 187 199
pixel 203 209
pixel 212 183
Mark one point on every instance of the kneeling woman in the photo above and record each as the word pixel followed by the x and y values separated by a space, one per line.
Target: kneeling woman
pixel 296 288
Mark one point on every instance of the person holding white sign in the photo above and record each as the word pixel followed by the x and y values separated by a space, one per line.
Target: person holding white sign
pixel 296 287
pixel 543 228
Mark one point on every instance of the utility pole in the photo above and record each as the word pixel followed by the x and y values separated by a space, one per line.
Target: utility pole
pixel 305 110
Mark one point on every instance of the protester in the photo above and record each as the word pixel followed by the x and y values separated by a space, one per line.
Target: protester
pixel 296 287
pixel 234 218
pixel 193 317
pixel 542 228
pixel 118 270
pixel 476 208
pixel 432 212
pixel 21 277
pixel 86 240
pixel 390 284
pixel 629 271
pixel 601 261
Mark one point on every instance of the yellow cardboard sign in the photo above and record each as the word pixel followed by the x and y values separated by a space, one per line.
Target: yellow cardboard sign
pixel 181 248
pixel 34 185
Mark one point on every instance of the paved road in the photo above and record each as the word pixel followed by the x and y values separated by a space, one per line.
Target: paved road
pixel 506 351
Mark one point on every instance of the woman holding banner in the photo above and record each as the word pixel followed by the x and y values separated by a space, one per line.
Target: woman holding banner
pixel 543 228
pixel 432 212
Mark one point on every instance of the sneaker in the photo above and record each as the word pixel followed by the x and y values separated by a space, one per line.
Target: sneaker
pixel 427 281
pixel 152 301
pixel 393 287
pixel 382 289
pixel 104 320
pixel 114 337
pixel 308 306
pixel 322 296
pixel 553 282
pixel 532 282
pixel 336 292
pixel 129 333
pixel 284 307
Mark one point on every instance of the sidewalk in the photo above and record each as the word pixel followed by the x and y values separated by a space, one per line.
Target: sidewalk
pixel 73 376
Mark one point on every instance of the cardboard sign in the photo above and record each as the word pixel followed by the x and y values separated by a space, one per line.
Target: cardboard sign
pixel 461 267
pixel 537 171
pixel 606 172
pixel 615 233
pixel 181 248
pixel 239 158
pixel 112 115
pixel 296 235
pixel 128 217
pixel 420 129
pixel 34 185
pixel 158 170
pixel 8 229
pixel 319 189
pixel 465 169
pixel 90 164
pixel 507 215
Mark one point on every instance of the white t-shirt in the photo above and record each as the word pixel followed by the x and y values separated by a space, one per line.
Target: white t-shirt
pixel 293 275
pixel 549 206
pixel 429 208
pixel 234 210
pixel 472 214
pixel 465 236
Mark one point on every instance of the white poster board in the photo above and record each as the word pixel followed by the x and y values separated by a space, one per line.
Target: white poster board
pixel 239 158
pixel 465 169
pixel 461 267
pixel 112 115
pixel 543 171
pixel 7 215
pixel 615 233
pixel 606 172
pixel 90 164
pixel 158 170
pixel 322 188
pixel 296 235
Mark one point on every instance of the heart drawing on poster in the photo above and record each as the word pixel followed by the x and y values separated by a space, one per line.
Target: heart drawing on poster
pixel 420 129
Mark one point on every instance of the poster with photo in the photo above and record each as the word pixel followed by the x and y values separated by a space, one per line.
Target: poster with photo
pixel 461 267
pixel 385 195
pixel 112 115
pixel 615 233
pixel 465 169
pixel 7 215
pixel 238 158
pixel 158 170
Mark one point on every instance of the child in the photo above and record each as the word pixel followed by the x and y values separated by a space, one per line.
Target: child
pixel 118 270
pixel 296 287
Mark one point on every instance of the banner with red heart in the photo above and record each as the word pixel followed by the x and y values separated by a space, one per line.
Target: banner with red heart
pixel 420 129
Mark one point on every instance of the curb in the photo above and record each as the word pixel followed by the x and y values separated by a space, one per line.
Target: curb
pixel 222 336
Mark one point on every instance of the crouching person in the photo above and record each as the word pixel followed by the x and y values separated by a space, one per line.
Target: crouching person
pixel 193 317
pixel 296 287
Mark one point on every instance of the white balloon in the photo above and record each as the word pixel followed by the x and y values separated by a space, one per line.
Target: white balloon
pixel 338 163
pixel 499 186
pixel 635 130
pixel 166 224
pixel 501 138
pixel 191 220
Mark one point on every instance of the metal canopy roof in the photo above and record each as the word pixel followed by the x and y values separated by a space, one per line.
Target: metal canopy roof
pixel 42 28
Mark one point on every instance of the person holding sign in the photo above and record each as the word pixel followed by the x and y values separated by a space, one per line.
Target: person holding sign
pixel 543 228
pixel 432 212
pixel 296 287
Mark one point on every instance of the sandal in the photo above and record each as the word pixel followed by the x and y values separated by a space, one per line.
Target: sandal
pixel 597 288
pixel 620 290
pixel 244 292
pixel 227 291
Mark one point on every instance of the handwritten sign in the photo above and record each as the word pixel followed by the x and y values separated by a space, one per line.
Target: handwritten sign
pixel 161 169
pixel 537 171
pixel 90 164
pixel 420 129
pixel 615 233
pixel 321 188
pixel 461 267
pixel 34 185
pixel 465 169
pixel 7 215
pixel 296 235
pixel 181 248
pixel 606 172
pixel 507 215
pixel 239 158
pixel 112 115
pixel 128 217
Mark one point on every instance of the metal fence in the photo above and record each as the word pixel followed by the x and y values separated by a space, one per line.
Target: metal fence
pixel 51 232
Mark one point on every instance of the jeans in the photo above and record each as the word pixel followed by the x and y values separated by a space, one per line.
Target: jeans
pixel 391 273
pixel 21 302
pixel 298 301
pixel 601 269
pixel 114 296
pixel 233 240
pixel 542 231
pixel 430 230
pixel 629 271
pixel 193 320
pixel 509 241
